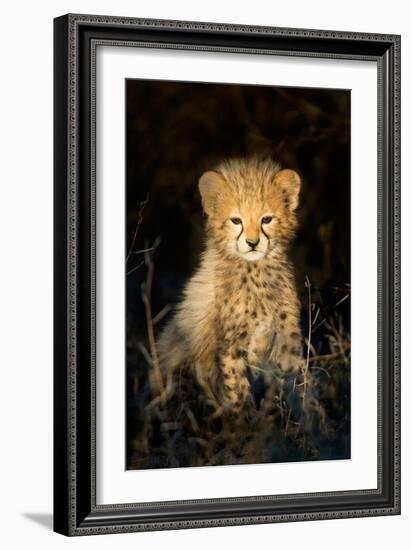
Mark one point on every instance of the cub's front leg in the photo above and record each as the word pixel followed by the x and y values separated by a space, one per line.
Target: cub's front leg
pixel 235 387
pixel 286 350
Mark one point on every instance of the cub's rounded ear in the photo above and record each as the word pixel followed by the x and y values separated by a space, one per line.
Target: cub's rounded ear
pixel 211 186
pixel 290 183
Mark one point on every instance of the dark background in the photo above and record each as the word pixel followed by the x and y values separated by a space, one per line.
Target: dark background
pixel 177 130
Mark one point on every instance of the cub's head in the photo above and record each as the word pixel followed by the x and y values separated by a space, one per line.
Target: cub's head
pixel 250 204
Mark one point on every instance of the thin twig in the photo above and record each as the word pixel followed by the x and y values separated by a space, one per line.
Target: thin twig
pixel 146 288
pixel 318 325
pixel 144 353
pixel 316 315
pixel 288 422
pixel 161 314
pixel 143 250
pixel 135 268
pixel 143 204
pixel 342 300
pixel 307 363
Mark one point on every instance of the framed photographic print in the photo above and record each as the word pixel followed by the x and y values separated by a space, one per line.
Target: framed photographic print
pixel 227 280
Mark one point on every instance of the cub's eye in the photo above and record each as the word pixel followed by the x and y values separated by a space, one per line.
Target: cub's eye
pixel 267 219
pixel 236 221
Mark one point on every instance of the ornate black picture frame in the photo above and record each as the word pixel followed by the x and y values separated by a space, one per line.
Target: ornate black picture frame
pixel 76 38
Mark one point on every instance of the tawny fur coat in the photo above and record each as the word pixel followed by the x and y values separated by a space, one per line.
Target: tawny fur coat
pixel 240 312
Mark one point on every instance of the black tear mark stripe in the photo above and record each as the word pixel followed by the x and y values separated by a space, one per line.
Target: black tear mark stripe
pixel 262 229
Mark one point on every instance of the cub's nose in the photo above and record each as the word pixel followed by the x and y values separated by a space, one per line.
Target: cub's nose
pixel 252 243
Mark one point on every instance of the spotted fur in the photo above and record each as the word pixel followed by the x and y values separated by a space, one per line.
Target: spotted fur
pixel 240 310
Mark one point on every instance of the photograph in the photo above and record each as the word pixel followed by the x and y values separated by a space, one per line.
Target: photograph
pixel 237 274
pixel 226 274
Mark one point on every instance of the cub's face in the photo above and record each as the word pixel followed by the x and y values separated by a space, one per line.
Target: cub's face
pixel 250 234
pixel 250 218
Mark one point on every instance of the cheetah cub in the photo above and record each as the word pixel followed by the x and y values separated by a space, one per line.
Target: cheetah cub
pixel 240 310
